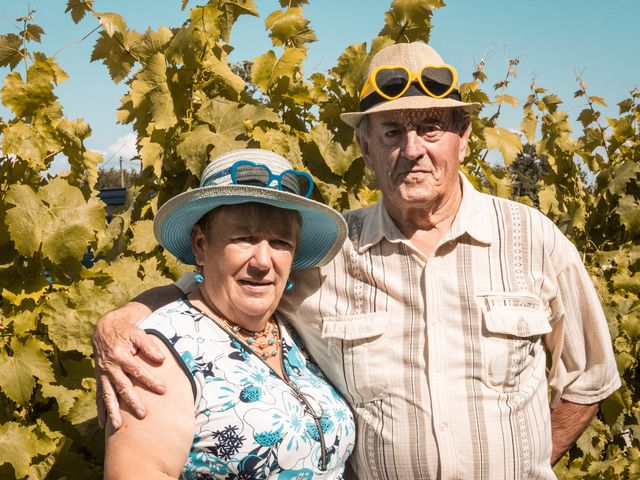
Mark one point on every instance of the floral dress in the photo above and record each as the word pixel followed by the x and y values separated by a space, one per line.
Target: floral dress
pixel 250 423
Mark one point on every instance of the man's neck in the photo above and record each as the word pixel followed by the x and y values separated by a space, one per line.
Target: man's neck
pixel 425 225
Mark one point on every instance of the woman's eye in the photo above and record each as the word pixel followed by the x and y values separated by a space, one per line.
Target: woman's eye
pixel 280 244
pixel 247 239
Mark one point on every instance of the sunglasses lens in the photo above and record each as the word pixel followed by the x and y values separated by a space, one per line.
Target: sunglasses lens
pixel 391 81
pixel 296 182
pixel 437 81
pixel 248 174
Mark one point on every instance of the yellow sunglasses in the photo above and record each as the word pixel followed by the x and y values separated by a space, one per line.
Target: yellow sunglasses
pixel 393 81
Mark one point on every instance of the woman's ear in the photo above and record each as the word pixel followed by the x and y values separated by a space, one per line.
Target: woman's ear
pixel 198 243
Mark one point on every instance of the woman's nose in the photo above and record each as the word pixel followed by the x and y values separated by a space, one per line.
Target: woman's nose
pixel 261 258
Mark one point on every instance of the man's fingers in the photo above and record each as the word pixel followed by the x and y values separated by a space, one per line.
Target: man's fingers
pixel 109 402
pixel 138 372
pixel 127 394
pixel 102 413
pixel 146 347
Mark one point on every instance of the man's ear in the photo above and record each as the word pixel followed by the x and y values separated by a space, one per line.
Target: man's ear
pixel 364 147
pixel 464 143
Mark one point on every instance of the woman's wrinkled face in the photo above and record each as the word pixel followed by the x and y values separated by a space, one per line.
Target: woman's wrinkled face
pixel 246 252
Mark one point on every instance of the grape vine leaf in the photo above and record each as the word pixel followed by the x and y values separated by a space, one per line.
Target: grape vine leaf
pixel 115 53
pixel 78 9
pixel 17 371
pixel 629 211
pixel 10 50
pixel 231 10
pixel 149 90
pixel 25 98
pixel 18 445
pixel 142 239
pixel 267 68
pixel 71 315
pixel 337 158
pixel 289 26
pixel 506 142
pixel 111 22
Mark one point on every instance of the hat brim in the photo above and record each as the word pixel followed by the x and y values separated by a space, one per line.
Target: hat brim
pixel 417 102
pixel 322 232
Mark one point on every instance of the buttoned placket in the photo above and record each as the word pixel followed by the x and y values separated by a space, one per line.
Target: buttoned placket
pixel 437 354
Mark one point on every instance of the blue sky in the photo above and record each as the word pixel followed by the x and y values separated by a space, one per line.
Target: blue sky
pixel 552 39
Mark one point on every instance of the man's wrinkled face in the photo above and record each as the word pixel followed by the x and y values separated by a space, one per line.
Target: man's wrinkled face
pixel 415 155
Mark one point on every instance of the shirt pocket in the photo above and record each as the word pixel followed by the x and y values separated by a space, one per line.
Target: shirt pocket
pixel 360 344
pixel 513 325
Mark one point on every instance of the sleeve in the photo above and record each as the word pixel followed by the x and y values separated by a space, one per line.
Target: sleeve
pixel 583 368
pixel 186 283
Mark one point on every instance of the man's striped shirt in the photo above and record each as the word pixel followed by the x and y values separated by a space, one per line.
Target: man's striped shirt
pixel 443 359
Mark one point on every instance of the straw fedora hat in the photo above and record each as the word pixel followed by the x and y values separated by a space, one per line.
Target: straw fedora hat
pixel 322 232
pixel 413 56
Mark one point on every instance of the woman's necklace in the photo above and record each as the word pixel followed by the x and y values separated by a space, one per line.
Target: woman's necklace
pixel 265 343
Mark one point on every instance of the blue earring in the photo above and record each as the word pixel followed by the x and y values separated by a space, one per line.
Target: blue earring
pixel 198 277
pixel 289 285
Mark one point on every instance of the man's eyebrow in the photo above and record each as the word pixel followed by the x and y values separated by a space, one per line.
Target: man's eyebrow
pixel 392 123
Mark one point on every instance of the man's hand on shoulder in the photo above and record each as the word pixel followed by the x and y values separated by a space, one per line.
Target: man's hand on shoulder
pixel 118 345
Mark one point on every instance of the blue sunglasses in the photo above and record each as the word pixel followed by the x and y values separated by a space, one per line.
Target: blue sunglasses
pixel 245 172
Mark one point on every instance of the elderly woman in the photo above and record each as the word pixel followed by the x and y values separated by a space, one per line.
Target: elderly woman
pixel 244 401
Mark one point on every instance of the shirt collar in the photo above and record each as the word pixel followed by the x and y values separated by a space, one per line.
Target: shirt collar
pixel 471 218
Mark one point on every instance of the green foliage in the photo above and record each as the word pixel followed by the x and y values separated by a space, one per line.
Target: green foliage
pixel 186 104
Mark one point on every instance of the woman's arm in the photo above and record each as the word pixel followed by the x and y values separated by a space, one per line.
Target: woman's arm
pixel 156 446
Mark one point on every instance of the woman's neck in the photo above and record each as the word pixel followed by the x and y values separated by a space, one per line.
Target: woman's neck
pixel 249 324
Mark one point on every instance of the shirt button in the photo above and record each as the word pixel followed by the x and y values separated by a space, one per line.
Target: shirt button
pixel 435 323
pixel 436 376
pixel 443 426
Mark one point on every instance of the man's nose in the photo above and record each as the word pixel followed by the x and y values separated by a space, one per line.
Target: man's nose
pixel 413 148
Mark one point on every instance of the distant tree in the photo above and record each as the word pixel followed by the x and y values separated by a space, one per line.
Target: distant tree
pixel 526 171
pixel 243 70
pixel 111 178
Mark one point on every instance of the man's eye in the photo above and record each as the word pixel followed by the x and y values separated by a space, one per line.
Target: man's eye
pixel 392 133
pixel 430 130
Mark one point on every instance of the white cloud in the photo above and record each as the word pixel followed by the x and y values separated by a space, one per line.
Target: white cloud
pixel 124 147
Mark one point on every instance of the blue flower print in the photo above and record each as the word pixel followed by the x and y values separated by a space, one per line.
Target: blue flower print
pixel 250 424
pixel 295 443
pixel 244 373
pixel 304 474
pixel 325 423
pixel 250 394
pixel 228 442
pixel 249 468
pixel 221 395
pixel 342 417
pixel 204 462
pixel 268 439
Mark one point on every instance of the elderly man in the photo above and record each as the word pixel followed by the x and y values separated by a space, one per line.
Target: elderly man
pixel 437 319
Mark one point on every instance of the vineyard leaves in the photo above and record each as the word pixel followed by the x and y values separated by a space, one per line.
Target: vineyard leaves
pixel 62 264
